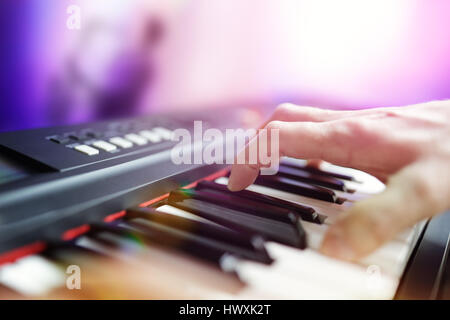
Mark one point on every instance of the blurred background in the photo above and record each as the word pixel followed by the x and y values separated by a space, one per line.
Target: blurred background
pixel 132 57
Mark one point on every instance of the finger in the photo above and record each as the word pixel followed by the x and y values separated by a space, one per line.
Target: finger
pixel 293 113
pixel 307 140
pixel 413 194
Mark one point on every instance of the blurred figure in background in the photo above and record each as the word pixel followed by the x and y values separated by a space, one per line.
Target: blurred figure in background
pixel 346 54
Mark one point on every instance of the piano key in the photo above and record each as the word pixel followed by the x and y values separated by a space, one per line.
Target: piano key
pixel 205 248
pixel 160 272
pixel 206 230
pixel 32 276
pixel 302 165
pixel 389 258
pixel 407 236
pixel 245 205
pixel 328 209
pixel 297 187
pixel 94 245
pixel 184 214
pixel 315 234
pixel 360 181
pixel 263 282
pixel 233 243
pixel 331 274
pixel 243 222
pixel 282 282
pixel 364 183
pixel 120 242
pixel 68 250
pixel 112 235
pixel 309 177
pixel 305 212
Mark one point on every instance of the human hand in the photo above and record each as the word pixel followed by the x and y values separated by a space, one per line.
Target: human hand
pixel 409 147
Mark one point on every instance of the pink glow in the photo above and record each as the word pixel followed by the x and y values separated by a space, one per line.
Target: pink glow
pixel 349 53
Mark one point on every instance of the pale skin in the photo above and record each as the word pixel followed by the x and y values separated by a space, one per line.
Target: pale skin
pixel 406 147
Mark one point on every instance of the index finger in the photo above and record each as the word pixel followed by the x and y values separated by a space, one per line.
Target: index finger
pixel 307 140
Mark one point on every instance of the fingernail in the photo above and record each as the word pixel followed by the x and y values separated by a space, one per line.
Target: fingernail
pixel 336 246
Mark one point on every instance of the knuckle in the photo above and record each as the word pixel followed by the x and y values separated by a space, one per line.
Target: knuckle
pixel 359 132
pixel 356 126
pixel 274 125
pixel 283 110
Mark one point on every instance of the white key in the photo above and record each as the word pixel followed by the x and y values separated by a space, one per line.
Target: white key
pixel 314 233
pixel 351 280
pixel 151 136
pixel 87 150
pixel 140 141
pixel 264 280
pixel 181 213
pixel 391 258
pixel 407 236
pixel 33 275
pixel 121 142
pixel 369 184
pixel 103 145
pixel 166 134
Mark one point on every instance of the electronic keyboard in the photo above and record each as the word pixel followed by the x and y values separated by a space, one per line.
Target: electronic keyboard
pixel 109 189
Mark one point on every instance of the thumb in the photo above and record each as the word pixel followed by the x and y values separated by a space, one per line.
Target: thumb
pixel 418 191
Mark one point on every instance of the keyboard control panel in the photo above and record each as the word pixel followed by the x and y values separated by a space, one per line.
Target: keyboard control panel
pixel 70 147
pixel 66 148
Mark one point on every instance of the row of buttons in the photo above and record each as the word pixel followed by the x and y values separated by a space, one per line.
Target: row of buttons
pixel 144 137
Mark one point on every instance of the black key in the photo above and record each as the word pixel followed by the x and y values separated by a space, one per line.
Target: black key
pixel 233 202
pixel 309 177
pixel 317 171
pixel 68 250
pixel 201 247
pixel 243 222
pixel 202 229
pixel 305 212
pixel 297 187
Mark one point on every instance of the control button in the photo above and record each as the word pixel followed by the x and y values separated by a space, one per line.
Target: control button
pixel 60 140
pixel 150 135
pixel 87 150
pixel 103 145
pixel 140 141
pixel 91 134
pixel 163 132
pixel 73 136
pixel 121 142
